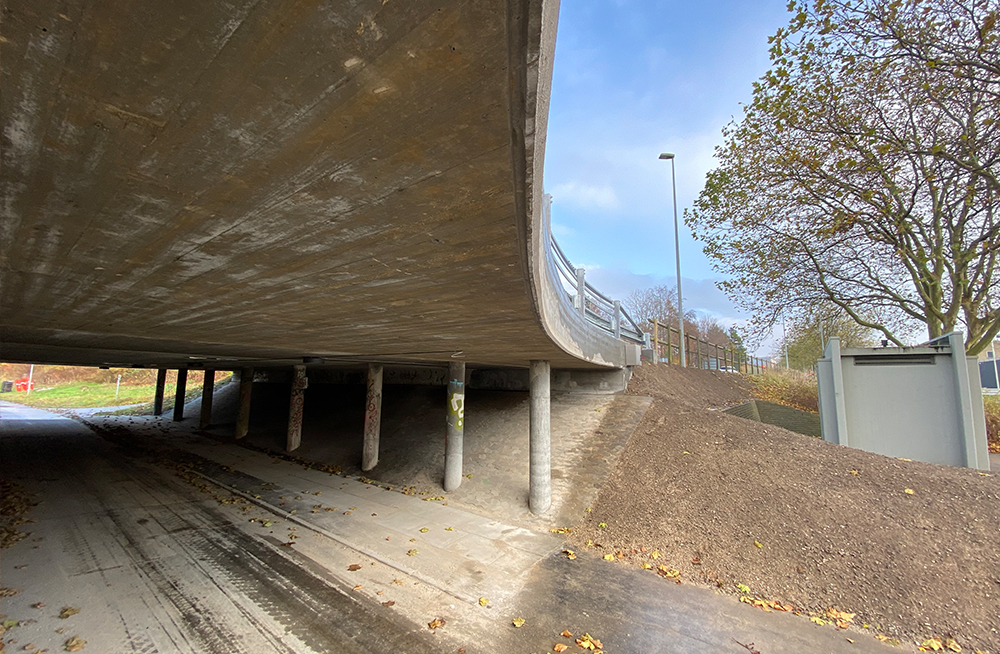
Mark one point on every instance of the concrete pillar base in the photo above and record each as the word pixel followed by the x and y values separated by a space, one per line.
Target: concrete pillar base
pixel 243 417
pixel 161 384
pixel 207 394
pixel 296 407
pixel 455 434
pixel 373 418
pixel 182 376
pixel 539 438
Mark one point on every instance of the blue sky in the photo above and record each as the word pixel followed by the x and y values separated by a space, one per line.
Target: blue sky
pixel 632 79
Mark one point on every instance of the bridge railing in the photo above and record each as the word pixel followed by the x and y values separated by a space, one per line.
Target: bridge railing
pixel 599 310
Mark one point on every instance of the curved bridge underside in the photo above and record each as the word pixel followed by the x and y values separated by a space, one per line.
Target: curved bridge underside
pixel 257 181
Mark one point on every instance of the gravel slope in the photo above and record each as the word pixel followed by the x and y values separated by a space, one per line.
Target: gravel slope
pixel 836 526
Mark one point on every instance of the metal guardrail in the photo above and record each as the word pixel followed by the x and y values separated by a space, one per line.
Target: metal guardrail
pixel 599 310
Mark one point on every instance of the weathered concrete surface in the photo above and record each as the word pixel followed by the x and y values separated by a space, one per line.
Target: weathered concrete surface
pixel 265 180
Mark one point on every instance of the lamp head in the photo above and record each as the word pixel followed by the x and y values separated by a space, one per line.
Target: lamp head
pixel 667 155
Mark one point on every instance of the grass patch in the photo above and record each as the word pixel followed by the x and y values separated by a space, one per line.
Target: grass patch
pixel 86 395
pixel 788 387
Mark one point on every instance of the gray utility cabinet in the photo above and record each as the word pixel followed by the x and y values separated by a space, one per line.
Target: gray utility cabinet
pixel 922 403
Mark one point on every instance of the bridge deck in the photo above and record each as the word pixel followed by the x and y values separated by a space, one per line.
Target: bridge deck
pixel 263 180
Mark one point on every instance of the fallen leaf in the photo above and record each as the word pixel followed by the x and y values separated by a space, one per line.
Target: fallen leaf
pixel 839 616
pixel 696 561
pixel 609 557
pixel 757 544
pixel 602 525
pixel 570 554
pixel 560 530
pixel 38 605
pixel 435 623
pixel 854 472
pixel 952 645
pixel 483 601
pixel 358 587
pixel 424 530
pixel 559 647
pixel 655 554
pixel 819 621
pixel 566 634
pixel 645 566
pixel 397 582
pixel 389 603
pixel 74 644
pixel 932 644
pixel 517 622
pixel 449 529
pixel 667 573
pixel 908 491
pixel 68 611
pixel 412 552
pixel 9 592
pixel 354 567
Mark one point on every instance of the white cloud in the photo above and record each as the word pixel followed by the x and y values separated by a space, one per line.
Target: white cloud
pixel 562 230
pixel 585 196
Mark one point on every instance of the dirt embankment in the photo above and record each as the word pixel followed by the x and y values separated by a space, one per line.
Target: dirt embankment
pixel 912 548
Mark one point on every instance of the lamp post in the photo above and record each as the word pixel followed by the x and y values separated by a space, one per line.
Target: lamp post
pixel 677 246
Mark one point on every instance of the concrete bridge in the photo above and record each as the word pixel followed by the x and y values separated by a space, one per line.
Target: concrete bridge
pixel 278 185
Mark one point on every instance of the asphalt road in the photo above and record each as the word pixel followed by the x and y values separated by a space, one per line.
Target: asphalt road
pixel 154 566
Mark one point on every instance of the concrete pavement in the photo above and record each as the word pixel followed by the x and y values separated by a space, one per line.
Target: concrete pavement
pixel 227 550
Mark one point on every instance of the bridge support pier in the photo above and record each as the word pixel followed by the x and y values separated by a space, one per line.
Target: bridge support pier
pixel 182 376
pixel 296 406
pixel 373 418
pixel 161 384
pixel 207 393
pixel 246 388
pixel 455 434
pixel 539 438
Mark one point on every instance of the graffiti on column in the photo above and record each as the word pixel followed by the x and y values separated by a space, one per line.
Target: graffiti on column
pixel 456 404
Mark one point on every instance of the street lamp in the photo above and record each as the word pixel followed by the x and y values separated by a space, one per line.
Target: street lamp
pixel 677 245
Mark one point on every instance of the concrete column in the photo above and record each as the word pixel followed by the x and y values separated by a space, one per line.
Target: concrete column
pixel 455 434
pixel 243 417
pixel 182 377
pixel 296 406
pixel 161 383
pixel 207 392
pixel 373 418
pixel 540 475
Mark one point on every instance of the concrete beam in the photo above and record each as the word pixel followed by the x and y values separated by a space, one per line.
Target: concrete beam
pixel 373 418
pixel 161 384
pixel 296 406
pixel 207 393
pixel 182 376
pixel 455 433
pixel 246 389
pixel 539 438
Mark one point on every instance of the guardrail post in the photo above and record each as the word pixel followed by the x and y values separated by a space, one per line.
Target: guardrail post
pixel 581 291
pixel 617 321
